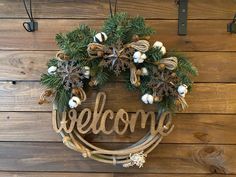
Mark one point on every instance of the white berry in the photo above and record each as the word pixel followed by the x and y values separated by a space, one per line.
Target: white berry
pixel 52 70
pixel 74 102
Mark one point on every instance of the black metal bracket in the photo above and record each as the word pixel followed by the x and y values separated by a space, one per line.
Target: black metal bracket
pixel 32 25
pixel 231 27
pixel 183 13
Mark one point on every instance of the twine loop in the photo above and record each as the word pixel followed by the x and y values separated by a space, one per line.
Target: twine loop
pixel 79 91
pixel 140 45
pixel 170 63
pixel 45 96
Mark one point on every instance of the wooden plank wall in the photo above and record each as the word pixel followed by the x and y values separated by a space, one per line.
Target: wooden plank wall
pixel 203 143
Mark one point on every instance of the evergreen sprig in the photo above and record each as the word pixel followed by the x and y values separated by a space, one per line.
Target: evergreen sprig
pixel 62 98
pixel 119 28
pixel 75 43
pixel 51 81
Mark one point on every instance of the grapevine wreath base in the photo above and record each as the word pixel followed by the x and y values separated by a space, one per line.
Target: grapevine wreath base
pixel 89 59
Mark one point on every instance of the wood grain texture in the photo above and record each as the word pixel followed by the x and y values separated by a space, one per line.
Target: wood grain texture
pixel 61 174
pixel 27 141
pixel 171 175
pixel 166 158
pixel 29 65
pixel 53 174
pixel 205 98
pixel 189 128
pixel 207 35
pixel 166 9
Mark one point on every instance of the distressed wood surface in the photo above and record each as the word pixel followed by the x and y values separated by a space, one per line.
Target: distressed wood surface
pixel 189 128
pixel 207 35
pixel 161 9
pixel 29 65
pixel 205 98
pixel 53 174
pixel 172 175
pixel 58 174
pixel 166 158
pixel 30 148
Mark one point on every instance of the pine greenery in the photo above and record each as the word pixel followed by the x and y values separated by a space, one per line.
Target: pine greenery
pixel 74 43
pixel 118 28
pixel 121 27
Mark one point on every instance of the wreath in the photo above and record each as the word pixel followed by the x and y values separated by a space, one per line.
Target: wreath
pixel 123 49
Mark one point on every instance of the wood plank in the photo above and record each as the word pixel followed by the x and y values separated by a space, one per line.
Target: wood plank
pixel 53 174
pixel 29 65
pixel 189 128
pixel 58 174
pixel 23 65
pixel 166 158
pixel 167 9
pixel 205 98
pixel 207 35
pixel 171 175
pixel 26 126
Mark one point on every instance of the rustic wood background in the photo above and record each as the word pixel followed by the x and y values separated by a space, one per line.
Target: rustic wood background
pixel 203 142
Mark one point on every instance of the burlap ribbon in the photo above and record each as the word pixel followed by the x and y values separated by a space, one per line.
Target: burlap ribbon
pixel 182 103
pixel 134 76
pixel 170 63
pixel 46 97
pixel 79 92
pixel 62 56
pixel 140 45
pixel 95 50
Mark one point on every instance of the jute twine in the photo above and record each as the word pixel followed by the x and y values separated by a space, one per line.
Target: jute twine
pixel 146 144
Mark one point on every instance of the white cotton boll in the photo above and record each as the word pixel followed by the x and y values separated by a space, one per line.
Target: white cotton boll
pixel 182 90
pixel 143 56
pixel 86 72
pixel 144 71
pixel 163 50
pixel 140 60
pixel 100 37
pixel 150 99
pixel 145 98
pixel 157 44
pixel 136 60
pixel 52 70
pixel 74 102
pixel 137 56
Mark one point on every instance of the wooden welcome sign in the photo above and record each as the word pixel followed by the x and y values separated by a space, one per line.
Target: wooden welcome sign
pixel 73 124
